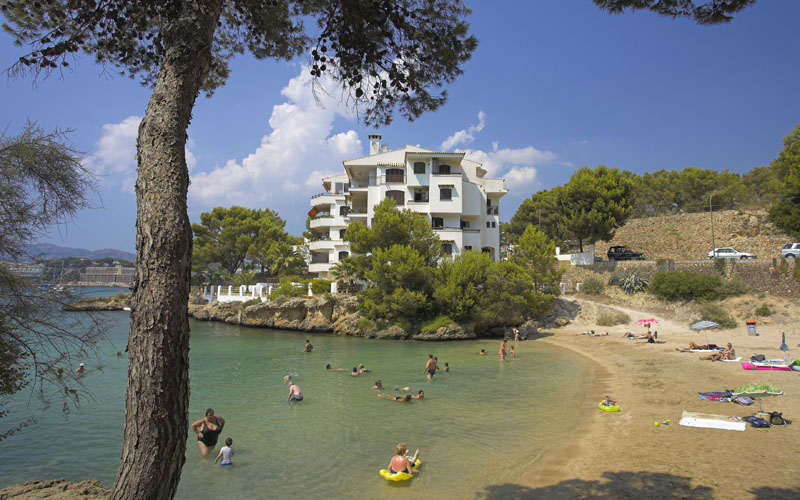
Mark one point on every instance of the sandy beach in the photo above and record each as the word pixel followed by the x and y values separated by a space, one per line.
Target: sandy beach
pixel 623 455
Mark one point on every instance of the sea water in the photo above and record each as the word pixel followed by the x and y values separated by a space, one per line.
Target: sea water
pixel 482 423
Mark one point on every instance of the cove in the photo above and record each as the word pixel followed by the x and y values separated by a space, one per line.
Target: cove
pixel 482 423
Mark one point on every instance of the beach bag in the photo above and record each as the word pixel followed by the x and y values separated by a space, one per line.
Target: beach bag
pixel 776 418
pixel 758 422
pixel 758 357
pixel 743 400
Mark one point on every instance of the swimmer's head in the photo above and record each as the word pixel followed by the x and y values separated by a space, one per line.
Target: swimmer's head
pixel 355 369
pixel 401 449
pixel 210 412
pixel 421 392
pixel 328 366
pixel 483 351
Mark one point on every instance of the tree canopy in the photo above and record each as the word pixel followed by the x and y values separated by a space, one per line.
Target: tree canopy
pixel 42 182
pixel 786 167
pixel 707 13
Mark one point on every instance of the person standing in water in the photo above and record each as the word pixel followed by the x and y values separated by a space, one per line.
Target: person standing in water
pixel 516 336
pixel 503 350
pixel 207 430
pixel 226 453
pixel 308 347
pixel 295 394
pixel 430 367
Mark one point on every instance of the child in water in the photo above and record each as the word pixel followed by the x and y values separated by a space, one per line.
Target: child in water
pixel 226 453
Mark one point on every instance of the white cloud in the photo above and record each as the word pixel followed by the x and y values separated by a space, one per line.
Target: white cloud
pixel 465 137
pixel 114 157
pixel 515 165
pixel 289 163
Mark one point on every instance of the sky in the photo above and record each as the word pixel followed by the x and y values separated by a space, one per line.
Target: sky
pixel 552 86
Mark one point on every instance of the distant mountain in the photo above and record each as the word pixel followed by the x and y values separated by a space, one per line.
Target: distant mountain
pixel 49 251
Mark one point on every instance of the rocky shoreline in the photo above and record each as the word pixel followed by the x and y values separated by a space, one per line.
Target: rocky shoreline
pixel 338 315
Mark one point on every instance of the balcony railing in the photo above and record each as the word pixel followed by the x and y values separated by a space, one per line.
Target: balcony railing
pixel 395 178
pixel 492 210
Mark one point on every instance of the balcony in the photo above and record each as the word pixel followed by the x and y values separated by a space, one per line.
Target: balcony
pixel 395 178
pixel 492 210
pixel 319 267
pixel 320 222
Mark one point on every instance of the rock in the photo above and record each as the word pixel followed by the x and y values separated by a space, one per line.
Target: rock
pixel 57 489
pixel 453 331
pixel 561 321
pixel 112 303
pixel 392 332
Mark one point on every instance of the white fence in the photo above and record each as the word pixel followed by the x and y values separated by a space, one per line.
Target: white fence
pixel 244 293
pixel 577 259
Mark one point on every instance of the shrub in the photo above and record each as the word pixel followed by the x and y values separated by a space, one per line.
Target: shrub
pixel 593 285
pixel 719 265
pixel 783 267
pixel 434 324
pixel 320 286
pixel 630 283
pixel 381 325
pixel 613 318
pixel 714 312
pixel 764 310
pixel 250 302
pixel 287 289
pixel 796 271
pixel 364 324
pixel 687 285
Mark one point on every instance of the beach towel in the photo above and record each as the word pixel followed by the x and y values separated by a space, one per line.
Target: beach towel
pixel 715 396
pixel 709 421
pixel 739 358
pixel 701 350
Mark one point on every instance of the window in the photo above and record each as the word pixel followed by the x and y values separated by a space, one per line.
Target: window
pixel 488 224
pixel 437 222
pixel 344 255
pixel 444 169
pixel 445 193
pixel 419 167
pixel 494 224
pixel 447 248
pixel 488 203
pixel 395 175
pixel 464 224
pixel 420 196
pixel 343 210
pixel 467 247
pixel 341 233
pixel 397 196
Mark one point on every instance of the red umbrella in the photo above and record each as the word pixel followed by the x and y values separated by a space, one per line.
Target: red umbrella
pixel 648 322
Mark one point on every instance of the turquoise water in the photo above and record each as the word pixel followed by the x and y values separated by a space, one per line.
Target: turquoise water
pixel 482 423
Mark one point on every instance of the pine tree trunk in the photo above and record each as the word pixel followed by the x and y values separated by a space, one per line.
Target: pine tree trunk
pixel 157 401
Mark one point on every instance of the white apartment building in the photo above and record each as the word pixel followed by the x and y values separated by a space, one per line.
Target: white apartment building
pixel 451 191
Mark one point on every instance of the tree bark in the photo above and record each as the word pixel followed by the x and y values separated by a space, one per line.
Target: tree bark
pixel 157 399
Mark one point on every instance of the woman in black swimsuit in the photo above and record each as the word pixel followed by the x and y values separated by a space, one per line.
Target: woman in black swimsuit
pixel 208 429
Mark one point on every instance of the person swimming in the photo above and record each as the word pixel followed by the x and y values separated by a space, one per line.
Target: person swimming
pixel 378 384
pixel 400 462
pixel 402 399
pixel 355 372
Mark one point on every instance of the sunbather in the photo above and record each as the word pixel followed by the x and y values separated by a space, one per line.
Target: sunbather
pixel 728 353
pixel 695 347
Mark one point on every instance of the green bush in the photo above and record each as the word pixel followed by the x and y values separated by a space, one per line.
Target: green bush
pixel 613 318
pixel 593 285
pixel 250 302
pixel 364 324
pixel 712 311
pixel 764 310
pixel 435 324
pixel 287 289
pixel 719 265
pixel 320 286
pixel 630 282
pixel 688 285
pixel 381 324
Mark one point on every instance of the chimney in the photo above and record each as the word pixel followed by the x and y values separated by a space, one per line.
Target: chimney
pixel 374 144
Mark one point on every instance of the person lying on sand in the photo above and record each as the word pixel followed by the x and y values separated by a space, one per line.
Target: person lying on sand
pixel 695 347
pixel 629 335
pixel 584 334
pixel 728 353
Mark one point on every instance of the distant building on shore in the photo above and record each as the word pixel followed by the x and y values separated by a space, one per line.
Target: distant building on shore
pixel 25 269
pixel 449 190
pixel 115 275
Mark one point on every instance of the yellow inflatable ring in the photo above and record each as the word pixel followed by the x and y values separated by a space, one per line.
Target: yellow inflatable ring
pixel 605 407
pixel 399 476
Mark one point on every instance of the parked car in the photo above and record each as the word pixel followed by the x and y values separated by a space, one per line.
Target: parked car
pixel 622 252
pixel 790 251
pixel 730 253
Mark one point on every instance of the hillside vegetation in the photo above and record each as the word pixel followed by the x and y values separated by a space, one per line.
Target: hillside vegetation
pixel 687 236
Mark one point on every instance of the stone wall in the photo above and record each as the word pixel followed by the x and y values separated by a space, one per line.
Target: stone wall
pixel 760 276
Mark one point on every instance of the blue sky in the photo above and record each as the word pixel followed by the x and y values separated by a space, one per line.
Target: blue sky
pixel 553 85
